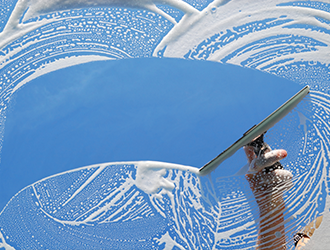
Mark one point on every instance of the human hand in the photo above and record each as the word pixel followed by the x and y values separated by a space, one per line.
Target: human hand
pixel 268 181
pixel 265 172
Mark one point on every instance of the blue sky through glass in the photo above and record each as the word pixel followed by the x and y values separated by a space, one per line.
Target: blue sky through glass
pixel 85 101
pixel 168 110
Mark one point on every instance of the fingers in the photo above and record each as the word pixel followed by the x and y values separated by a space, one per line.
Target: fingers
pixel 249 153
pixel 266 160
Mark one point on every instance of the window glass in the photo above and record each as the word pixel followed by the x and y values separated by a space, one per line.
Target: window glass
pixel 109 109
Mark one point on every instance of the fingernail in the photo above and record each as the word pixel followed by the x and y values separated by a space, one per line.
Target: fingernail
pixel 282 153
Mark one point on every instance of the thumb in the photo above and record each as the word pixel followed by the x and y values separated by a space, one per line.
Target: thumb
pixel 268 159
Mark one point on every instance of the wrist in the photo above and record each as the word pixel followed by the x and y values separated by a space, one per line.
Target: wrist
pixel 300 240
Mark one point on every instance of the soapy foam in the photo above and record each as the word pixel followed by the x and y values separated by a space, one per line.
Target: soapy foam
pixel 286 39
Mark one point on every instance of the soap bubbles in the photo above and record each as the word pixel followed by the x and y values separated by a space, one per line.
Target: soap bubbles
pixel 109 205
